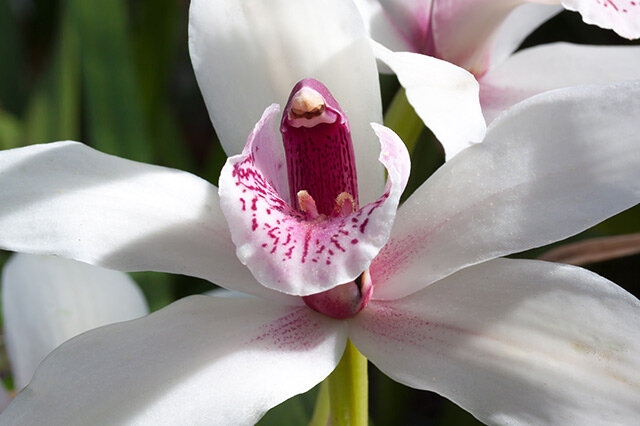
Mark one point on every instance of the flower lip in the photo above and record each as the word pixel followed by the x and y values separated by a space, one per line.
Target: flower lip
pixel 298 252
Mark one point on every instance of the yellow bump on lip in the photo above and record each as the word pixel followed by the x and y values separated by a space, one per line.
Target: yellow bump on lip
pixel 345 204
pixel 307 103
pixel 308 205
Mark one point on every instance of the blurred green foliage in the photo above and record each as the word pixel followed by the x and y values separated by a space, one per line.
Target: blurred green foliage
pixel 116 75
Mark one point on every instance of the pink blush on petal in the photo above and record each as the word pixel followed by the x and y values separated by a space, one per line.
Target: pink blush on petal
pixel 296 331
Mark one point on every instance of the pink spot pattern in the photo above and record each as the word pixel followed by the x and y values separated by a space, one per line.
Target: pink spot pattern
pixel 299 330
pixel 284 250
pixel 285 233
pixel 622 16
pixel 398 328
pixel 319 167
pixel 396 255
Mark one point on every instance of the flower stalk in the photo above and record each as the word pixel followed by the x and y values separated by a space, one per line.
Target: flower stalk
pixel 322 409
pixel 348 390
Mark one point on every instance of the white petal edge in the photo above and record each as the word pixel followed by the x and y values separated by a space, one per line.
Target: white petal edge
pixel 552 66
pixel 202 360
pixel 443 95
pixel 283 250
pixel 514 342
pixel 248 55
pixel 223 293
pixel 550 167
pixel 622 16
pixel 67 199
pixel 411 19
pixel 47 300
pixel 381 27
pixel 465 31
pixel 521 22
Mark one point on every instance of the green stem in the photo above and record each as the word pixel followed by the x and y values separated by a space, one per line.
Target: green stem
pixel 321 411
pixel 348 390
pixel 402 119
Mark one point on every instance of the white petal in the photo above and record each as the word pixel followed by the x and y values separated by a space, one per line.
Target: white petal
pixel 443 95
pixel 202 360
pixel 5 398
pixel 552 166
pixel 67 199
pixel 398 24
pixel 551 66
pixel 521 22
pixel 285 251
pixel 381 27
pixel 227 294
pixel 465 31
pixel 248 55
pixel 622 16
pixel 515 342
pixel 47 300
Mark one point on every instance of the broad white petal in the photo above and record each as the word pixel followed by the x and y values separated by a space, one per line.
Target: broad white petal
pixel 202 360
pixel 622 16
pixel 514 342
pixel 464 31
pixel 443 95
pixel 47 300
pixel 550 167
pixel 285 251
pixel 67 199
pixel 551 66
pixel 248 55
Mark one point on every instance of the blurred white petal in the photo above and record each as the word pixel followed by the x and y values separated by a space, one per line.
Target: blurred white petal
pixel 552 66
pixel 522 21
pixel 382 28
pixel 47 300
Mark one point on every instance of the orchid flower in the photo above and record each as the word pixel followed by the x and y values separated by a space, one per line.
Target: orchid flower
pixel 512 341
pixel 424 296
pixel 481 37
pixel 47 300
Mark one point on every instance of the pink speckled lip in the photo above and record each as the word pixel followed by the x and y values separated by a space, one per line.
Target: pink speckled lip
pixel 287 247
